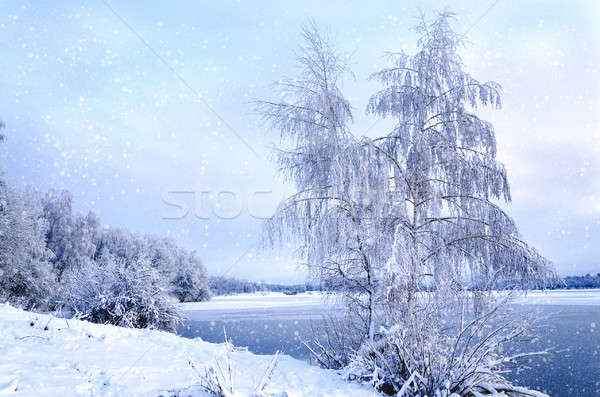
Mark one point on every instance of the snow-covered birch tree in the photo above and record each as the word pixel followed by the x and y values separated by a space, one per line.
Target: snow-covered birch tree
pixel 444 165
pixel 329 215
pixel 454 245
pixel 407 228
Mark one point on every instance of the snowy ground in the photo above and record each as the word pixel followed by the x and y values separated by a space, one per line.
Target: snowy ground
pixel 257 301
pixel 562 297
pixel 314 300
pixel 78 358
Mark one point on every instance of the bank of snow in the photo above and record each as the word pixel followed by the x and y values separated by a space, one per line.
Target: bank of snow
pixel 72 357
pixel 317 300
pixel 264 300
pixel 577 297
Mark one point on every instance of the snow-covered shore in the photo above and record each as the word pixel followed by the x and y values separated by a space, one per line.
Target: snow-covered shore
pixel 77 358
pixel 562 297
pixel 257 301
pixel 74 357
pixel 314 300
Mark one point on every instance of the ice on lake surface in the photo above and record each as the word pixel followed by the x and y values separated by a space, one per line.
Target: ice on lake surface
pixel 267 323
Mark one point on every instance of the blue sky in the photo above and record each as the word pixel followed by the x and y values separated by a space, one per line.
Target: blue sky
pixel 89 107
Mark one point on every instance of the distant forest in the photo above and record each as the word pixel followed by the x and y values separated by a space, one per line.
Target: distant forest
pixel 577 282
pixel 220 285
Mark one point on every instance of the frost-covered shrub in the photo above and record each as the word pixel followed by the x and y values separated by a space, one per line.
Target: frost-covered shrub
pixel 461 353
pixel 25 272
pixel 70 236
pixel 336 343
pixel 183 272
pixel 190 283
pixel 218 380
pixel 111 290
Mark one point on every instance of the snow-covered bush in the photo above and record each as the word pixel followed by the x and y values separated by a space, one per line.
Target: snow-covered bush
pixel 26 277
pixel 460 353
pixel 111 290
pixel 70 236
pixel 114 275
pixel 218 379
pixel 183 273
pixel 334 344
pixel 190 283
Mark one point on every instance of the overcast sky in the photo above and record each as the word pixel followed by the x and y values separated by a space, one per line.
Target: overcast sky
pixel 127 104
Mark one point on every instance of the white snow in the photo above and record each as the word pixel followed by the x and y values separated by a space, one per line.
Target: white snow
pixel 77 358
pixel 588 297
pixel 314 300
pixel 257 301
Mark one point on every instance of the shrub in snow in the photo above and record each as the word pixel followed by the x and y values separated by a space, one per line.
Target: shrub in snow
pixel 190 283
pixel 70 237
pixel 113 275
pixel 183 272
pixel 337 349
pixel 218 379
pixel 25 272
pixel 424 354
pixel 114 291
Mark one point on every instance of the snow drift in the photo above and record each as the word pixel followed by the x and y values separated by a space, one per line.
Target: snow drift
pixel 45 355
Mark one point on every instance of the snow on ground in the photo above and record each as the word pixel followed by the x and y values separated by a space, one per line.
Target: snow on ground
pixel 257 301
pixel 77 358
pixel 314 300
pixel 588 297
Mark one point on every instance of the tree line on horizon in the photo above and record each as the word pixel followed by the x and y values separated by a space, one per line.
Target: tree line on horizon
pixel 222 285
pixel 576 282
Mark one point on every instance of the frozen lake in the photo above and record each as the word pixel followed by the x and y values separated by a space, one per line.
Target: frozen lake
pixel 266 323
